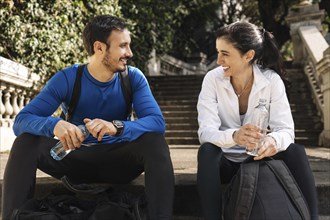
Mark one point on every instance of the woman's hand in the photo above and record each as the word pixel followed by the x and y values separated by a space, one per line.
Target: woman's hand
pixel 268 149
pixel 98 128
pixel 248 135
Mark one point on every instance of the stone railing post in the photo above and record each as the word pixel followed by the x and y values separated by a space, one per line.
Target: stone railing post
pixel 323 68
pixel 302 14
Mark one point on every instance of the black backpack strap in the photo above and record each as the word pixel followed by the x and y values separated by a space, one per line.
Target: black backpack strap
pixel 127 90
pixel 91 189
pixel 288 182
pixel 75 94
pixel 125 86
pixel 247 190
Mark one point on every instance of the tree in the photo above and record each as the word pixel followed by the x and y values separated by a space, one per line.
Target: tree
pixel 45 36
pixel 153 23
pixel 196 32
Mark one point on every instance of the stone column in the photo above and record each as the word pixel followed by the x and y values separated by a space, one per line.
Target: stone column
pixel 302 14
pixel 324 68
pixel 2 106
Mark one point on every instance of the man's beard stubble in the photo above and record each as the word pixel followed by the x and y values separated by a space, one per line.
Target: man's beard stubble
pixel 109 65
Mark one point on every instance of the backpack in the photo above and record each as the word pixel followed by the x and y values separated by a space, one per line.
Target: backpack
pixel 264 190
pixel 124 83
pixel 86 203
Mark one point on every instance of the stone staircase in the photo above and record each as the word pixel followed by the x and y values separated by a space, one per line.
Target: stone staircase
pixel 308 124
pixel 178 95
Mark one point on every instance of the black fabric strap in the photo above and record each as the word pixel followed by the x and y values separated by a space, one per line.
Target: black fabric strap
pixel 91 189
pixel 124 83
pixel 247 190
pixel 127 90
pixel 291 187
pixel 75 94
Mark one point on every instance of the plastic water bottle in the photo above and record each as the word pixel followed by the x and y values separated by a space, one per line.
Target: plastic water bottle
pixel 58 152
pixel 260 119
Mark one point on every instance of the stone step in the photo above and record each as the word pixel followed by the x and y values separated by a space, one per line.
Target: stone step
pixel 181 133
pixel 177 92
pixel 177 98
pixel 315 128
pixel 166 86
pixel 171 120
pixel 178 107
pixel 177 102
pixel 183 140
pixel 182 126
pixel 190 114
pixel 189 79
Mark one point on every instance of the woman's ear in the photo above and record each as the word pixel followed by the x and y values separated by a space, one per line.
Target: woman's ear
pixel 249 55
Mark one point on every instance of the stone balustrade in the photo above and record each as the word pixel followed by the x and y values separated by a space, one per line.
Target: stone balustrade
pixel 15 82
pixel 168 65
pixel 312 53
pixel 323 71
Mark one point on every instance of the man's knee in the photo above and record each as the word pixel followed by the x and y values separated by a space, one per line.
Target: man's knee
pixel 29 145
pixel 153 137
pixel 154 145
pixel 21 143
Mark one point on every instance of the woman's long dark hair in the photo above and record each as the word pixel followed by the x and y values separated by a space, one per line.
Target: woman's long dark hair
pixel 246 36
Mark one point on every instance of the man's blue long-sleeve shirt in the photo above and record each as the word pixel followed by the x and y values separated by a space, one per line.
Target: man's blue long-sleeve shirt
pixel 103 100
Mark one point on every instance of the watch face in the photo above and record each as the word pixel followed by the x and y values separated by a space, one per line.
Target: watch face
pixel 118 124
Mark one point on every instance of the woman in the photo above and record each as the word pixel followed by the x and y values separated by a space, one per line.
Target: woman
pixel 250 69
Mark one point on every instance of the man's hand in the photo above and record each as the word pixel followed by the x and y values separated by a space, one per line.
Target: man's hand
pixel 98 128
pixel 69 134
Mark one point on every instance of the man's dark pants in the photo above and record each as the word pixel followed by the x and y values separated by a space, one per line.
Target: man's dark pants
pixel 113 163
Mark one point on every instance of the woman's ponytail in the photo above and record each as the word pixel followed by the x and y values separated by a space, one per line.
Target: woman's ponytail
pixel 270 56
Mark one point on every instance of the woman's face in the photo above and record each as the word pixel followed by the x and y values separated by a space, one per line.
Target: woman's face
pixel 231 60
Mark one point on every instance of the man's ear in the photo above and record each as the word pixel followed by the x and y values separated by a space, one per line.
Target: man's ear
pixel 99 47
pixel 250 55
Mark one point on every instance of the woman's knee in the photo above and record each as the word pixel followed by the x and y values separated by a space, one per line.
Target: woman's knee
pixel 207 150
pixel 294 151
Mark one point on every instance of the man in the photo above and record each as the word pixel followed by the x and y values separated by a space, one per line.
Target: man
pixel 119 150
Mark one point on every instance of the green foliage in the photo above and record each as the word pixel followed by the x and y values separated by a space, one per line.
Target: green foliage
pixel 168 26
pixel 45 36
pixel 199 20
pixel 287 51
pixel 153 23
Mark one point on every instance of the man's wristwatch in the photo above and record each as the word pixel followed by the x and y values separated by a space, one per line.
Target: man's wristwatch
pixel 119 125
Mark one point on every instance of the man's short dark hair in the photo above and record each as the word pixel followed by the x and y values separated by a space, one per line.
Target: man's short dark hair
pixel 99 29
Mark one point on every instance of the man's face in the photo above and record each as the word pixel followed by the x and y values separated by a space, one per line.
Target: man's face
pixel 118 52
